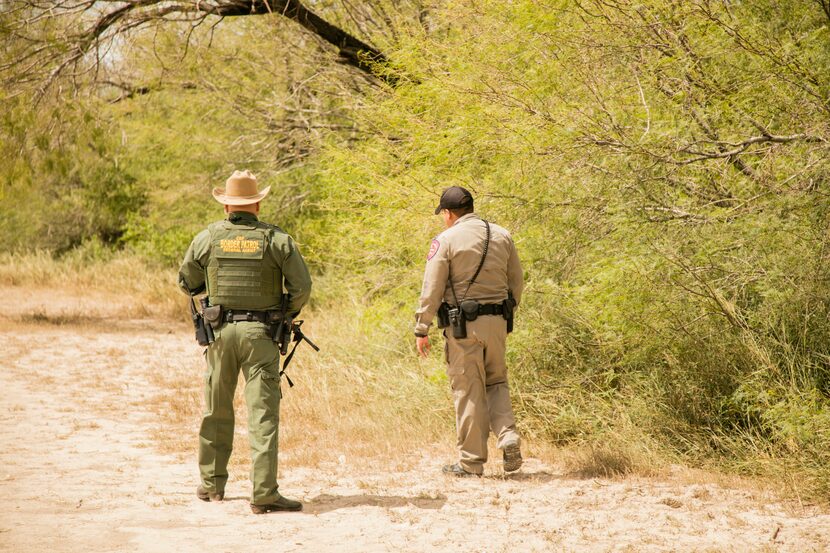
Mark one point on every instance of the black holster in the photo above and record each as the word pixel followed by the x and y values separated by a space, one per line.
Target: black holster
pixel 204 333
pixel 279 327
pixel 507 307
pixel 442 316
pixel 212 316
pixel 202 337
pixel 457 322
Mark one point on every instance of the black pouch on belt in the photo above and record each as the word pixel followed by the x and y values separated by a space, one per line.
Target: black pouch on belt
pixel 213 315
pixel 470 309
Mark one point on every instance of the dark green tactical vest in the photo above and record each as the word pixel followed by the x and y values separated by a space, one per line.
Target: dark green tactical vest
pixel 240 272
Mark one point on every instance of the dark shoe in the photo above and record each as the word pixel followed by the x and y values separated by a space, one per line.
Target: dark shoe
pixel 281 504
pixel 457 470
pixel 206 495
pixel 512 458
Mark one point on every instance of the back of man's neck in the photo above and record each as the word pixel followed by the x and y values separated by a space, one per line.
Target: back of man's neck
pixel 239 214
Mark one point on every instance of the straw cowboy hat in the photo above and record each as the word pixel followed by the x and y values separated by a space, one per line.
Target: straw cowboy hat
pixel 240 189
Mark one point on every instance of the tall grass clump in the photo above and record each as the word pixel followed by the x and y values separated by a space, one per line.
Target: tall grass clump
pixel 94 268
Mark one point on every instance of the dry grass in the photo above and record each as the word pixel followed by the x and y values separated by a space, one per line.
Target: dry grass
pixel 384 412
pixel 365 396
pixel 615 456
pixel 178 402
pixel 148 291
pixel 41 316
pixel 359 398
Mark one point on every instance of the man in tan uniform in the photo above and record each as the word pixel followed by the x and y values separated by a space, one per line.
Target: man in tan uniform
pixel 473 260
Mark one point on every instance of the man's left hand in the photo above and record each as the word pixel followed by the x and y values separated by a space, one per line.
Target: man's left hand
pixel 422 344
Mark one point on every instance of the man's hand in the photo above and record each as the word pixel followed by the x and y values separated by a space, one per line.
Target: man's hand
pixel 422 344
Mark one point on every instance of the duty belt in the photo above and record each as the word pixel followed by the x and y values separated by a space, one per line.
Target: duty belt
pixel 230 315
pixel 490 309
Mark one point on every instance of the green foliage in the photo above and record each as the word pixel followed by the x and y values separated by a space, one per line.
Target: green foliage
pixel 662 166
pixel 66 183
pixel 667 282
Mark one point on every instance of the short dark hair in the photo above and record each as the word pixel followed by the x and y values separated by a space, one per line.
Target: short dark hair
pixel 462 211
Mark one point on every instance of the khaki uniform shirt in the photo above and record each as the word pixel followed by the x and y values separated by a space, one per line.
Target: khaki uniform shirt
pixel 456 253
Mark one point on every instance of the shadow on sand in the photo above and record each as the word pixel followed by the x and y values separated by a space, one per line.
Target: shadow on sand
pixel 325 502
pixel 539 476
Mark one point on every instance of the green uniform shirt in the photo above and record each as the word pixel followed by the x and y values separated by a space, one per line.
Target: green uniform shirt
pixel 280 248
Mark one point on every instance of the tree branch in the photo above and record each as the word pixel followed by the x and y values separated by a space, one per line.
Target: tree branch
pixel 130 14
pixel 740 147
pixel 352 50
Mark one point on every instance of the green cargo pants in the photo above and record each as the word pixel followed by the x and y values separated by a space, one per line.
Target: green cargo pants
pixel 244 346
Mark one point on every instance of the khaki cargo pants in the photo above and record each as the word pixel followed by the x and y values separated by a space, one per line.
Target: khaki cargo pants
pixel 478 376
pixel 247 347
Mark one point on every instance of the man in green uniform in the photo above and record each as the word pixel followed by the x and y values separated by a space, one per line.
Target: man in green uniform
pixel 243 264
pixel 474 265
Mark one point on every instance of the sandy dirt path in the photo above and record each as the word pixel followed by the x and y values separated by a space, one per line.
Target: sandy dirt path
pixel 80 471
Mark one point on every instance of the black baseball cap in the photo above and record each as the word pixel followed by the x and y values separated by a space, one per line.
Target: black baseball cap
pixel 454 197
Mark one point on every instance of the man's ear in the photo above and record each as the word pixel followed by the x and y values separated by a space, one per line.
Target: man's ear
pixel 257 208
pixel 227 209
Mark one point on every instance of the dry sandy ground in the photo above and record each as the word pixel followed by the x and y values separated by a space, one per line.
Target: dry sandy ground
pixel 80 471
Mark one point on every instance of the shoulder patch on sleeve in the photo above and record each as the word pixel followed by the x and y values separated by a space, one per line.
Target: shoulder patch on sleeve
pixel 433 249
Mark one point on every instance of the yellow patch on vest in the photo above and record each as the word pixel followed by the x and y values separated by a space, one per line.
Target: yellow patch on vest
pixel 240 245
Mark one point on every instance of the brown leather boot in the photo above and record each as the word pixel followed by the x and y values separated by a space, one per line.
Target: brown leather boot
pixel 280 504
pixel 207 495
